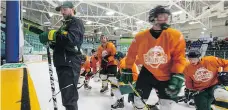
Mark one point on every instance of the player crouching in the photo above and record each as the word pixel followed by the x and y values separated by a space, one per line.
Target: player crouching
pixel 86 72
pixel 202 81
pixel 122 87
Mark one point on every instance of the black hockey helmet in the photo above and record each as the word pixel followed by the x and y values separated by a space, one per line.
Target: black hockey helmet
pixel 157 10
pixel 194 53
pixel 93 50
pixel 119 55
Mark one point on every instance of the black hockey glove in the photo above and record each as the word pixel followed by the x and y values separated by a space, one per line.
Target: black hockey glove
pixel 189 94
pixel 104 61
pixel 223 78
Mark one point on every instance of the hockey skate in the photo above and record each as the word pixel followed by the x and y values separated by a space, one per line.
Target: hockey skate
pixel 104 89
pixel 118 105
pixel 111 93
pixel 87 87
pixel 150 107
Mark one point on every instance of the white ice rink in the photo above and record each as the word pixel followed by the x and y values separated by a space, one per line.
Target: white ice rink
pixel 88 100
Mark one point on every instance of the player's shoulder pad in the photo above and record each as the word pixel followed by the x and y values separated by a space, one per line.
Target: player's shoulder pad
pixel 110 44
pixel 175 34
pixel 209 58
pixel 140 35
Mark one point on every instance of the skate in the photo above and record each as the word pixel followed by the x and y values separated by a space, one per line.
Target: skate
pixel 153 107
pixel 150 107
pixel 112 94
pixel 104 89
pixel 119 104
pixel 87 87
pixel 191 103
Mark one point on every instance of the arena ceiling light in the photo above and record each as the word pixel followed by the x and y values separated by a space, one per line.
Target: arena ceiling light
pixel 62 0
pixel 109 13
pixel 23 10
pixel 134 33
pixel 99 32
pixel 204 29
pixel 193 22
pixel 202 32
pixel 139 22
pixel 115 28
pixel 51 14
pixel 177 12
pixel 47 23
pixel 89 22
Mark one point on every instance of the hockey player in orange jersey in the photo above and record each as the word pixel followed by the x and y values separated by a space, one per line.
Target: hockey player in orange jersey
pixel 94 63
pixel 106 52
pixel 202 80
pixel 161 50
pixel 119 88
pixel 86 72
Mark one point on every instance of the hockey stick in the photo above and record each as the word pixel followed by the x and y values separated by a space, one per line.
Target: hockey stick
pixel 90 77
pixel 138 95
pixel 185 99
pixel 51 76
pixel 39 31
pixel 61 90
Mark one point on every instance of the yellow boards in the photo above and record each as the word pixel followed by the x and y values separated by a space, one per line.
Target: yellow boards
pixel 17 89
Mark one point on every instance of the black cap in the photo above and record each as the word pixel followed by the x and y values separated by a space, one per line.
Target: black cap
pixel 66 4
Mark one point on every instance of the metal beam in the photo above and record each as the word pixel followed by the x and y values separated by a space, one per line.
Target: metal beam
pixel 54 13
pixel 108 9
pixel 209 10
pixel 187 13
pixel 52 3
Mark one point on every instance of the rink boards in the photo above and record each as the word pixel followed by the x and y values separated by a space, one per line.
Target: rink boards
pixel 17 89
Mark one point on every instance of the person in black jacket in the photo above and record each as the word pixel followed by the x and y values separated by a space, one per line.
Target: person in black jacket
pixel 67 58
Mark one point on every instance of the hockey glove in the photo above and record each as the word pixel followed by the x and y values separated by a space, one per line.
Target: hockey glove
pixel 126 76
pixel 104 61
pixel 223 78
pixel 47 36
pixel 189 94
pixel 174 86
pixel 43 38
pixel 61 30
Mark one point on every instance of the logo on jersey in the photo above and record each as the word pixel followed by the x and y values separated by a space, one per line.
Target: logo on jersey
pixel 155 57
pixel 104 53
pixel 202 74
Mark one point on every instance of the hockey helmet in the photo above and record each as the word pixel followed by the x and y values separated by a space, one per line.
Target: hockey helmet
pixel 157 10
pixel 119 55
pixel 194 54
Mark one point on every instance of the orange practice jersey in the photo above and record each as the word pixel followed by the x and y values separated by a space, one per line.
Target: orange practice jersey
pixel 137 61
pixel 134 68
pixel 109 49
pixel 86 65
pixel 160 56
pixel 204 75
pixel 93 64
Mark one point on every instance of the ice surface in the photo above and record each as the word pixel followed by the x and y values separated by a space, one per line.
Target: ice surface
pixel 88 100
